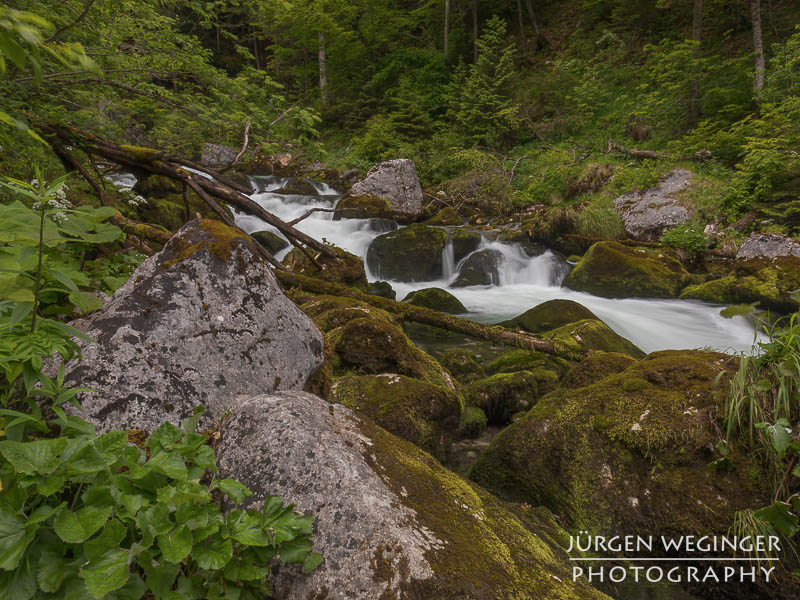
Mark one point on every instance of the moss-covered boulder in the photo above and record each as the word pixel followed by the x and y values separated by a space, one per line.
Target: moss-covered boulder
pixel 157 186
pixel 383 289
pixel 298 186
pixel 473 422
pixel 465 242
pixel 330 312
pixel 345 268
pixel 374 346
pixel 550 315
pixel 481 268
pixel 362 207
pixel 597 366
pixel 621 454
pixel 612 270
pixel 436 299
pixel 169 210
pixel 271 241
pixel 424 414
pixel 503 395
pixel 446 216
pixel 591 334
pixel 413 253
pixel 770 282
pixel 462 365
pixel 390 520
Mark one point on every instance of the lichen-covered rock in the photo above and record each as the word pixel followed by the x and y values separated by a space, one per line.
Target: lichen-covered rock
pixel 465 242
pixel 272 242
pixel 362 207
pixel 462 365
pixel 481 268
pixel 621 453
pixel 446 216
pixel 550 315
pixel 413 253
pixel 374 346
pixel 390 521
pixel 426 415
pixel 383 289
pixel 612 270
pixel 647 215
pixel 765 245
pixel 436 299
pixel 503 395
pixel 345 269
pixel 770 282
pixel 218 155
pixel 592 334
pixel 396 181
pixel 201 322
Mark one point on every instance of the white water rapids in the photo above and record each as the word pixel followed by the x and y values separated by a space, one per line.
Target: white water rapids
pixel 524 281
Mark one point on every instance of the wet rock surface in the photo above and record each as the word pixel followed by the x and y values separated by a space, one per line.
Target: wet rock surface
pixel 647 215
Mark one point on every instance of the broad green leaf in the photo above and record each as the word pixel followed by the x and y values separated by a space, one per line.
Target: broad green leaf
pixel 80 525
pixel 85 301
pixel 312 561
pixel 134 589
pixel 780 516
pixel 160 576
pixel 189 424
pixel 164 437
pixel 238 570
pixel 109 539
pixel 175 545
pixel 106 573
pixel 295 551
pixel 236 491
pixel 168 463
pixel 14 538
pixel 19 584
pixel 110 445
pixel 41 457
pixel 213 553
pixel 52 568
pixel 250 531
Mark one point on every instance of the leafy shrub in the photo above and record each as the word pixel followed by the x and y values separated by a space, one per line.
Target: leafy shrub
pixel 688 237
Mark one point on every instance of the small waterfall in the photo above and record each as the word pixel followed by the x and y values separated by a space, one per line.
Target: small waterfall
pixel 448 261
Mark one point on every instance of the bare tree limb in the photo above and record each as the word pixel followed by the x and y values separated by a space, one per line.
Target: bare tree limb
pixel 244 147
pixel 87 5
pixel 308 214
pixel 639 154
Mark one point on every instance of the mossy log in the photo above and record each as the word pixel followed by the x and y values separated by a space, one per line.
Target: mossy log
pixel 417 314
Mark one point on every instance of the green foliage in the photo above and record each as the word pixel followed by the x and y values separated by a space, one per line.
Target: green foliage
pixel 481 96
pixel 689 237
pixel 600 219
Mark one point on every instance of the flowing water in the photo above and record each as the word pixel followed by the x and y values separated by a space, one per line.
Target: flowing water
pixel 524 281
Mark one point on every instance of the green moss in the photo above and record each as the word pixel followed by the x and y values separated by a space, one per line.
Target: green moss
pixel 219 239
pixel 503 395
pixel 140 153
pixel 424 414
pixel 374 346
pixel 465 241
pixel 446 216
pixel 413 253
pixel 272 242
pixel 436 299
pixel 768 282
pixel 550 315
pixel 591 334
pixel 462 365
pixel 517 359
pixel 473 422
pixel 597 366
pixel 620 453
pixel 612 270
pixel 330 312
pixel 346 269
pixel 491 550
pixel 363 207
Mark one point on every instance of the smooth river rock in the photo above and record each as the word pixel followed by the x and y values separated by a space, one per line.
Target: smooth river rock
pixel 201 322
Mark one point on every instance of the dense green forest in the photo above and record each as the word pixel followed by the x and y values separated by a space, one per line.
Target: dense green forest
pixel 444 448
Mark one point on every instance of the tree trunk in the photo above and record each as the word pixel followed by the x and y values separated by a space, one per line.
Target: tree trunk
pixel 758 47
pixel 697 33
pixel 475 31
pixel 535 24
pixel 446 29
pixel 323 70
pixel 522 29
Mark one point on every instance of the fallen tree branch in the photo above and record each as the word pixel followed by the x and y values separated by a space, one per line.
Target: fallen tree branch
pixel 244 147
pixel 639 154
pixel 308 214
pixel 159 163
pixel 424 316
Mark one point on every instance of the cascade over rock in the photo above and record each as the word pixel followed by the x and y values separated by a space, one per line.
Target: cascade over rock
pixel 199 323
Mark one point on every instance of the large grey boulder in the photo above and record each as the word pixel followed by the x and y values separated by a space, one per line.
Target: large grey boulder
pixel 217 155
pixel 396 181
pixel 201 322
pixel 647 215
pixel 390 521
pixel 766 245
